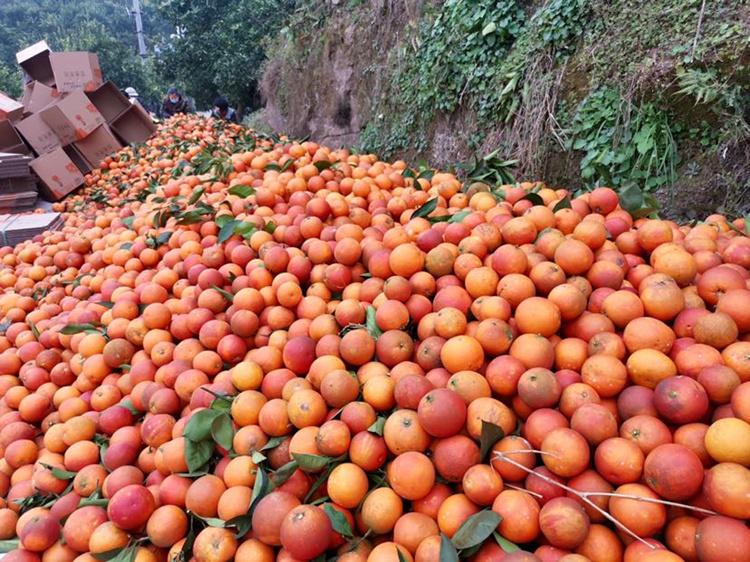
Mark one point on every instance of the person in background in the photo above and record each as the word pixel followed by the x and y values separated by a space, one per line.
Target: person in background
pixel 133 97
pixel 174 103
pixel 132 94
pixel 223 111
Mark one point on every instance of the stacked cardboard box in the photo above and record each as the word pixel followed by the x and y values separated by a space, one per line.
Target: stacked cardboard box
pixel 17 183
pixel 68 117
pixel 14 229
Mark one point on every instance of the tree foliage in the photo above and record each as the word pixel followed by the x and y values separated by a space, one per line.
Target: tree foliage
pixel 219 46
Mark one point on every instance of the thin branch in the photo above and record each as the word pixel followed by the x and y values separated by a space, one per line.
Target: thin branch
pixel 615 495
pixel 650 500
pixel 518 488
pixel 698 29
pixel 549 480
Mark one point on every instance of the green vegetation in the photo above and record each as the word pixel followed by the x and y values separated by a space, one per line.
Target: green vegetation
pixel 623 144
pixel 457 56
pixel 219 47
pixel 482 53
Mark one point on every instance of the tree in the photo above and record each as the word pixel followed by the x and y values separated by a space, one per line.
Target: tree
pixel 219 46
pixel 104 27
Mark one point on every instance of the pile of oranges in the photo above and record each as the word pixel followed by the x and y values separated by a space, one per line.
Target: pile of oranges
pixel 248 348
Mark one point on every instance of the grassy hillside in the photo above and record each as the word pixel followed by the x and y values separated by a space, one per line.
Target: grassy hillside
pixel 629 93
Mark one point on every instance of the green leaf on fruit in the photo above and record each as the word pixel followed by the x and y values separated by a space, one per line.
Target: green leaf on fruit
pixel 505 544
pixel 322 165
pixel 377 426
pixel 198 427
pixel 243 191
pixel 448 552
pixel 339 521
pixel 631 198
pixel 274 442
pixel 283 473
pixel 424 210
pixel 371 323
pixel 564 203
pixel 129 405
pixel 225 294
pixel 745 232
pixel 476 529
pixel 221 220
pixel 490 435
pixel 227 230
pixel 535 198
pixel 311 462
pixel 198 453
pixel 243 524
pixel 222 431
pixel 59 473
pixel 460 216
pixel 210 521
pixel 196 195
pixel 221 404
pixel 260 488
pixel 72 329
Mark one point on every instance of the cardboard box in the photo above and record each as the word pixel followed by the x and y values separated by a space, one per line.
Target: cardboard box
pixel 10 108
pixel 14 229
pixel 10 140
pixel 38 134
pixel 58 174
pixel 76 71
pixel 72 117
pixel 35 61
pixel 37 96
pixel 109 100
pixel 83 165
pixel 97 146
pixel 133 125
